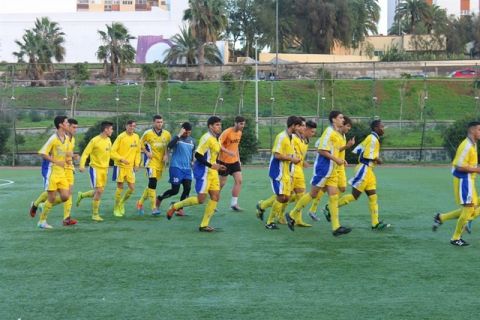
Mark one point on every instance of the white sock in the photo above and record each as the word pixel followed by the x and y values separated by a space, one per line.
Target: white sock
pixel 234 201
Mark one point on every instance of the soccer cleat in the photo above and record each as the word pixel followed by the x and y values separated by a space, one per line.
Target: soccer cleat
pixel 236 208
pixel 121 208
pixel 44 225
pixel 79 198
pixel 260 211
pixel 326 213
pixel 33 210
pixel 180 213
pixel 314 216
pixel 116 212
pixel 272 226
pixel 290 222
pixel 156 212
pixel 206 229
pixel 436 222
pixel 381 226
pixel 140 210
pixel 341 230
pixel 459 243
pixel 302 224
pixel 468 226
pixel 96 217
pixel 171 211
pixel 69 222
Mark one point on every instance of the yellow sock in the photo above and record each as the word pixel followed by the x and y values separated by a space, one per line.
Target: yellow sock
pixel 298 214
pixel 46 209
pixel 276 209
pixel 467 213
pixel 58 200
pixel 144 196
pixel 454 214
pixel 151 196
pixel 88 194
pixel 95 207
pixel 333 206
pixel 188 202
pixel 373 204
pixel 127 195
pixel 294 198
pixel 118 197
pixel 67 207
pixel 209 211
pixel 301 203
pixel 346 199
pixel 268 203
pixel 41 198
pixel 281 214
pixel 316 201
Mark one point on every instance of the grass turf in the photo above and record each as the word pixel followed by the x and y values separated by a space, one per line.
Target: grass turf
pixel 146 268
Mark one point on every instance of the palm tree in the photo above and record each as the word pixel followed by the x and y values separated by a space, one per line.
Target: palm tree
pixel 365 15
pixel 207 20
pixel 116 52
pixel 39 46
pixel 414 11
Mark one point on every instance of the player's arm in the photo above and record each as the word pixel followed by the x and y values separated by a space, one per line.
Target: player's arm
pixel 371 151
pixel 286 157
pixel 328 155
pixel 86 153
pixel 143 145
pixel 349 144
pixel 138 157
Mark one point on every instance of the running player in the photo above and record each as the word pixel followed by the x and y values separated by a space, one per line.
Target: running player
pixel 325 174
pixel 280 171
pixel 183 149
pixel 98 150
pixel 154 144
pixel 205 171
pixel 464 170
pixel 364 179
pixel 54 153
pixel 230 158
pixel 126 153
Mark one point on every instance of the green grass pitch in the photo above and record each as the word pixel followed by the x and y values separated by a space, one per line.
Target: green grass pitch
pixel 151 268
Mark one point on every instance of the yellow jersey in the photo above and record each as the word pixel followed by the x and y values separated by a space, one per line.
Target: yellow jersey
pixel 369 149
pixel 466 156
pixel 209 147
pixel 156 143
pixel 301 147
pixel 127 147
pixel 57 149
pixel 344 142
pixel 69 158
pixel 283 145
pixel 98 149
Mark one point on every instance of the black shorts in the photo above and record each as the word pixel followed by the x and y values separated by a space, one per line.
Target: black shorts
pixel 231 168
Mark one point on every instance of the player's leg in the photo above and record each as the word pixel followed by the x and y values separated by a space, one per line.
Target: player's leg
pixel 312 212
pixel 118 199
pixel 42 222
pixel 467 197
pixel 201 187
pixel 214 192
pixel 237 186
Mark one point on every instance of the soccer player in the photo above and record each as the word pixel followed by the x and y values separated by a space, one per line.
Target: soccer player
pixel 341 172
pixel 154 144
pixel 230 158
pixel 464 170
pixel 183 149
pixel 364 179
pixel 325 174
pixel 98 150
pixel 54 153
pixel 70 176
pixel 126 153
pixel 205 171
pixel 300 143
pixel 280 171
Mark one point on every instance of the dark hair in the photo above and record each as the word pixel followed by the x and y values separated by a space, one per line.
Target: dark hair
pixel 59 120
pixel 212 120
pixel 105 124
pixel 375 124
pixel 72 121
pixel 157 117
pixel 293 121
pixel 347 120
pixel 311 124
pixel 333 114
pixel 131 121
pixel 187 126
pixel 239 119
pixel 473 124
pixel 302 119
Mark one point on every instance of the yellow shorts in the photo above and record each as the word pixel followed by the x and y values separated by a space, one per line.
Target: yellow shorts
pixel 98 177
pixel 364 178
pixel 54 182
pixel 210 183
pixel 299 182
pixel 284 186
pixel 154 173
pixel 70 176
pixel 342 177
pixel 464 190
pixel 121 174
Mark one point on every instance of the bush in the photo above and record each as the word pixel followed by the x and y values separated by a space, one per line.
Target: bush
pixel 35 116
pixel 455 134
pixel 4 135
pixel 228 82
pixel 249 144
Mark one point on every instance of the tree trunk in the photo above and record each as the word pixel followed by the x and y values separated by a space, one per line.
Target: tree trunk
pixel 201 62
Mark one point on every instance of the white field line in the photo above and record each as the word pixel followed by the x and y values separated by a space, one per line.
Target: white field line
pixel 4 182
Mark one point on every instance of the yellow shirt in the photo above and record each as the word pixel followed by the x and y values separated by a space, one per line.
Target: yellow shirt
pixel 57 149
pixel 466 156
pixel 126 147
pixel 283 145
pixel 209 147
pixel 369 150
pixel 69 159
pixel 156 143
pixel 98 149
pixel 301 147
pixel 344 141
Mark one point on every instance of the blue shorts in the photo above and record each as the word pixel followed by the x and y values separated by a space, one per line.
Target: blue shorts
pixel 177 175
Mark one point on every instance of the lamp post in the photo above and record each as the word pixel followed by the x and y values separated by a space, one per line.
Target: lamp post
pixel 256 88
pixel 276 39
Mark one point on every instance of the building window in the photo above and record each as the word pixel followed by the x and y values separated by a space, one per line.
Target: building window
pixel 127 2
